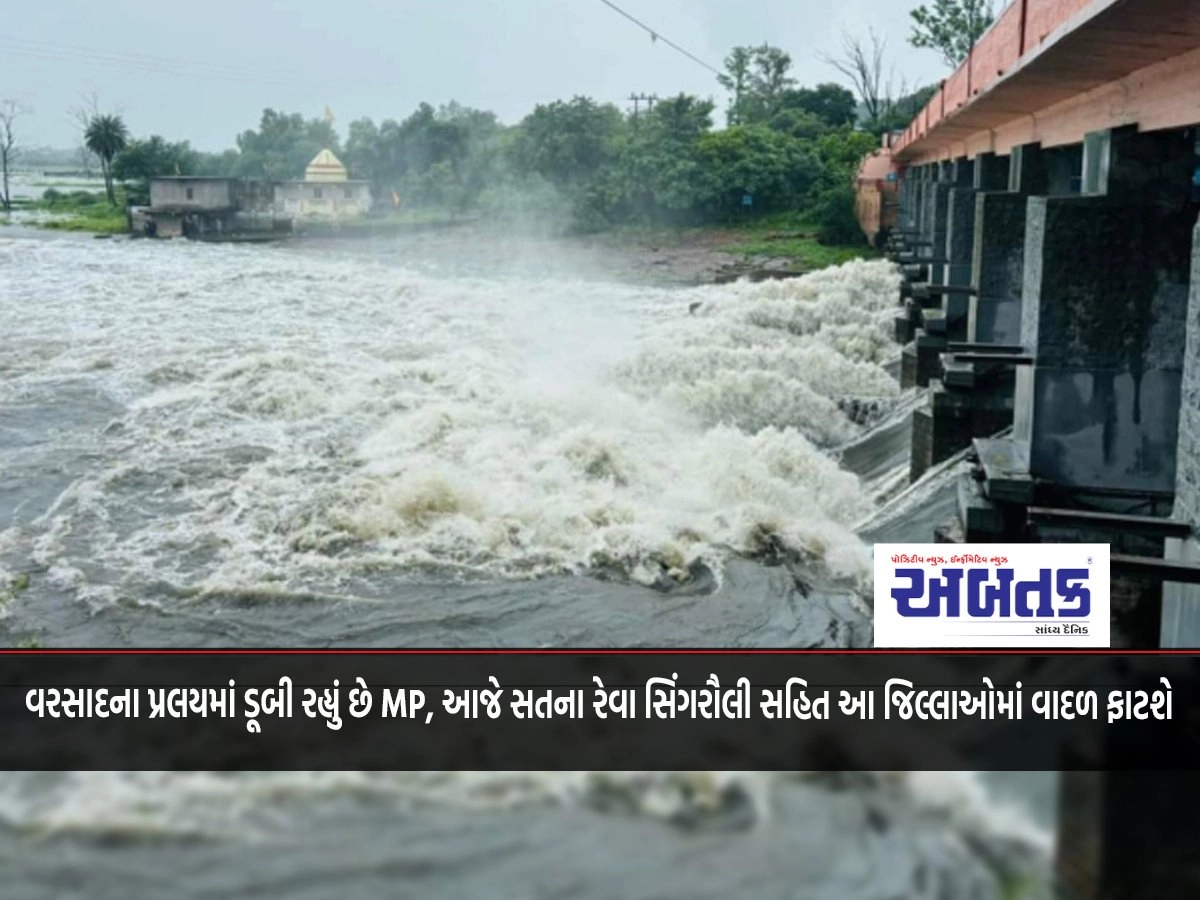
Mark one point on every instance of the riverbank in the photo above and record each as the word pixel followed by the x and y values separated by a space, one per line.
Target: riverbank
pixel 78 210
pixel 769 247
pixel 778 246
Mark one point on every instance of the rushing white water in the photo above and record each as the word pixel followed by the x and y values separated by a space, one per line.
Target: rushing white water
pixel 293 421
pixel 198 420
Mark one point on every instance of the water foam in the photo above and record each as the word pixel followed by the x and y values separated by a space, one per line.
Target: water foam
pixel 300 421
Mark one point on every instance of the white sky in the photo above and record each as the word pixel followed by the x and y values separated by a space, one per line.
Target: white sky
pixel 205 72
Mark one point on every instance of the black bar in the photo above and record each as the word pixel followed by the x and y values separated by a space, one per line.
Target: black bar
pixel 952 289
pixel 971 347
pixel 1156 568
pixel 1150 525
pixel 1012 359
pixel 446 741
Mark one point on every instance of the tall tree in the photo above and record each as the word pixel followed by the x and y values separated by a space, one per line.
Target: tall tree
pixel 567 142
pixel 759 79
pixel 831 103
pixel 10 111
pixel 951 27
pixel 283 145
pixel 863 63
pixel 736 80
pixel 106 136
pixel 143 159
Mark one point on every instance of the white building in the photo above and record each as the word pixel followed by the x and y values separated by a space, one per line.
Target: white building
pixel 327 192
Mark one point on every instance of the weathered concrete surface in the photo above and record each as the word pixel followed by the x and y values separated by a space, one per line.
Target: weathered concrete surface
pixel 1110 849
pixel 960 235
pixel 998 251
pixel 937 197
pixel 951 420
pixel 1104 305
pixel 990 172
pixel 998 269
pixel 1181 602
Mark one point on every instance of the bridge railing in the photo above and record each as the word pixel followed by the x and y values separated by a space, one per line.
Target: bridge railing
pixel 1020 28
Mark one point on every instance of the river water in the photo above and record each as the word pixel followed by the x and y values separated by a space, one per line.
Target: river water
pixel 458 440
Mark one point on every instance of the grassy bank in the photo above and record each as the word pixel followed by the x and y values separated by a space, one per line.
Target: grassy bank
pixel 75 211
pixel 777 245
pixel 788 236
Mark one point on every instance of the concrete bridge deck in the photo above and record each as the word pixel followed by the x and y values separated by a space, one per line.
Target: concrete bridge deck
pixel 1043 208
pixel 1050 71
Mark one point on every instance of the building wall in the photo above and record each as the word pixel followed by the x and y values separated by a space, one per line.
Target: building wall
pixel 322 200
pixel 195 193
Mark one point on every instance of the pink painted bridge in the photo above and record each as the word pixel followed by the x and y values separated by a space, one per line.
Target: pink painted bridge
pixel 1049 72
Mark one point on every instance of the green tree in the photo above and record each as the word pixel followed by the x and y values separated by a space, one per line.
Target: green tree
pixel 736 79
pixel 830 103
pixel 833 200
pixel 798 123
pixel 283 145
pixel 655 171
pixel 143 159
pixel 759 79
pixel 567 142
pixel 363 156
pixel 106 136
pixel 776 170
pixel 951 27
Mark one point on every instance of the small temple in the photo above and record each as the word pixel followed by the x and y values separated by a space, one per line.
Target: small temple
pixel 326 167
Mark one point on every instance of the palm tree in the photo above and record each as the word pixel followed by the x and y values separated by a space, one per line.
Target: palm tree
pixel 106 136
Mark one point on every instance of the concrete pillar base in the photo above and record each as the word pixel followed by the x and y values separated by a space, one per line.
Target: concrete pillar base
pixel 952 420
pixel 1127 835
pixel 921 360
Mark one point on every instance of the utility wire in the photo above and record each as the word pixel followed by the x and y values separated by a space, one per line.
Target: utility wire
pixel 173 65
pixel 656 36
pixel 183 68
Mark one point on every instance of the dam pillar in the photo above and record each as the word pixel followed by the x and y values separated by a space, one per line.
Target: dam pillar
pixel 961 406
pixel 913 249
pixel 1125 835
pixel 1181 601
pixel 1096 414
pixel 919 359
pixel 998 254
pixel 1104 308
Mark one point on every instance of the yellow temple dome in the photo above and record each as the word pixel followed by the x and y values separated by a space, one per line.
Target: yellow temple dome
pixel 326 167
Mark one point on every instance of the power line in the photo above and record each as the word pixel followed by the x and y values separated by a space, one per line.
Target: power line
pixel 656 36
pixel 164 65
pixel 184 68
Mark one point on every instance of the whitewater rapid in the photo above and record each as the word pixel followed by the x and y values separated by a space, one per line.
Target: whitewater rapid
pixel 275 420
pixel 248 446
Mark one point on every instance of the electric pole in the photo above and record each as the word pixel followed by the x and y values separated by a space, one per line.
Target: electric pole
pixel 648 99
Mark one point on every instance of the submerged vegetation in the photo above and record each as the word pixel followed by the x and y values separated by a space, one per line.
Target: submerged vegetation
pixel 77 211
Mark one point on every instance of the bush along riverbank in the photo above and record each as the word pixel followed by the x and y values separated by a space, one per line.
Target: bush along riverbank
pixel 73 211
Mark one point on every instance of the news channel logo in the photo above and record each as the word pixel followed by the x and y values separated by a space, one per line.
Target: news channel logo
pixel 991 595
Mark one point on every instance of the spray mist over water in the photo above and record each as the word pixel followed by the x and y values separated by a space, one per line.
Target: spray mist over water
pixel 296 422
pixel 202 419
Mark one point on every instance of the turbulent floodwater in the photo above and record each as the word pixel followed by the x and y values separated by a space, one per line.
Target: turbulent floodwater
pixel 456 442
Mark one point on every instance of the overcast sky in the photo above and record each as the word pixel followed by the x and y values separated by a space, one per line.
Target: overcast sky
pixel 205 72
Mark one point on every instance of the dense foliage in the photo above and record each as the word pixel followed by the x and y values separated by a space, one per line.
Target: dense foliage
pixel 951 27
pixel 578 161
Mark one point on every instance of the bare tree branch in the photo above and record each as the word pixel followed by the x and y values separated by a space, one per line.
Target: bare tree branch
pixel 863 64
pixel 10 111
